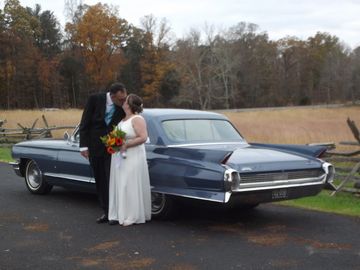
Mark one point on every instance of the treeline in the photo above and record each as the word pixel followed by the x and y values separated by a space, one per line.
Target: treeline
pixel 41 66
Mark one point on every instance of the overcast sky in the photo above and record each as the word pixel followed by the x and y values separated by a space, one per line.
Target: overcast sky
pixel 279 18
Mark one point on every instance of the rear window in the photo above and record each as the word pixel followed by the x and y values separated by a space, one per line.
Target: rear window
pixel 200 130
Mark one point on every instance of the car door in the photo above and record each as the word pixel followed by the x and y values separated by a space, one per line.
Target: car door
pixel 71 165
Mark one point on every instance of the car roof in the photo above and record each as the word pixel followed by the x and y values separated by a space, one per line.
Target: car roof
pixel 181 114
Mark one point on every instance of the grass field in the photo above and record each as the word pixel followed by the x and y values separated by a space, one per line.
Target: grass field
pixel 293 126
pixel 298 126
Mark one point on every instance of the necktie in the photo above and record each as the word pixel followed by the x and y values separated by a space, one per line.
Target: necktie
pixel 109 113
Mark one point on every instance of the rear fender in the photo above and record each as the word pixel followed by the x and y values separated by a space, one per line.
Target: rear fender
pixel 208 155
pixel 308 150
pixel 194 173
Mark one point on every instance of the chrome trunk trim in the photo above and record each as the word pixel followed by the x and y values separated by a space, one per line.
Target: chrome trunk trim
pixel 280 184
pixel 234 182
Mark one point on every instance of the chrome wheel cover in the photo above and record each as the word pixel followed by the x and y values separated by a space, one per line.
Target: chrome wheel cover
pixel 158 201
pixel 33 176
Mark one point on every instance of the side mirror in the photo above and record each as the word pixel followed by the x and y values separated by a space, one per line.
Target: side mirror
pixel 66 136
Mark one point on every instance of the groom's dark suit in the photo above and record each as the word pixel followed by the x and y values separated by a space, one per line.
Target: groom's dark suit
pixel 92 126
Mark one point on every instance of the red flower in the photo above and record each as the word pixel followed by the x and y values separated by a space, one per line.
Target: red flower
pixel 110 150
pixel 118 141
pixel 113 140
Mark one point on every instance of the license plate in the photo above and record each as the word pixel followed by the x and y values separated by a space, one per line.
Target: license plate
pixel 278 194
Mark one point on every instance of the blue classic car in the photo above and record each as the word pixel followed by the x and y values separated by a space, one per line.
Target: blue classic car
pixel 191 154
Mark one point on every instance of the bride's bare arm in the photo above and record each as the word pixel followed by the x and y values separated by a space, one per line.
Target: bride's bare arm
pixel 139 126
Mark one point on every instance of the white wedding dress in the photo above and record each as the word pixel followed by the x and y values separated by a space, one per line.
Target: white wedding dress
pixel 129 187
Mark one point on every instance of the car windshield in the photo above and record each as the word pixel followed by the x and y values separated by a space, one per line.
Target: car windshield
pixel 200 130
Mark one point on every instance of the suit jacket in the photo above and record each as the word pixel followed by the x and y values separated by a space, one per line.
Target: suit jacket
pixel 93 124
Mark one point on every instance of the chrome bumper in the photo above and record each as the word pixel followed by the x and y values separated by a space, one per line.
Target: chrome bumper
pixel 16 167
pixel 234 186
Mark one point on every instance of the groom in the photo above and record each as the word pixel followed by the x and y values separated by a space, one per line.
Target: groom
pixel 101 113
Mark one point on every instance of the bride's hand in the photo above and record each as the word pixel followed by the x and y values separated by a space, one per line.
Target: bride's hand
pixel 123 148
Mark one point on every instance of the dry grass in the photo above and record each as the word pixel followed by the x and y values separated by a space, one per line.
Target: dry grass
pixel 27 117
pixel 293 125
pixel 54 118
pixel 296 126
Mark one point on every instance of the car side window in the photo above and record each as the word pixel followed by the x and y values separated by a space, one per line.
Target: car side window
pixel 199 130
pixel 175 130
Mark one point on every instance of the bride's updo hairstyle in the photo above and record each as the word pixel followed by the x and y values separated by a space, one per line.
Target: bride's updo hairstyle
pixel 135 103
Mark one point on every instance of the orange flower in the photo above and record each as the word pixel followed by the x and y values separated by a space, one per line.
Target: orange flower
pixel 111 141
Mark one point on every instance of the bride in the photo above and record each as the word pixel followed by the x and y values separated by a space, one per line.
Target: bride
pixel 129 188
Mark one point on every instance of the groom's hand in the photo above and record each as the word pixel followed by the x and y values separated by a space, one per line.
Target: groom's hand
pixel 85 154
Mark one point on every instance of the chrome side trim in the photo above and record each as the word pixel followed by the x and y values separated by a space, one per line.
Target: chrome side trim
pixel 188 196
pixel 70 177
pixel 195 144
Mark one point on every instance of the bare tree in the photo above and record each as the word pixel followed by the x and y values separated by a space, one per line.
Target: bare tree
pixel 193 65
pixel 160 31
pixel 227 61
pixel 70 8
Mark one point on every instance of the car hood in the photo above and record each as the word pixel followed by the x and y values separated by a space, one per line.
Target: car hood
pixel 43 143
pixel 255 159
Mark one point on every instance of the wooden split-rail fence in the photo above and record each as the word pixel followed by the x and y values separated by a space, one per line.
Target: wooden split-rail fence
pixel 14 135
pixel 348 163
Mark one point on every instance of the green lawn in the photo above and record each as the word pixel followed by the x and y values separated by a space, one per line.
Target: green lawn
pixel 5 154
pixel 340 203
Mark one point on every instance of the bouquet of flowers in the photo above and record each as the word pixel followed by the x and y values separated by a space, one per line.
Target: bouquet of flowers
pixel 114 140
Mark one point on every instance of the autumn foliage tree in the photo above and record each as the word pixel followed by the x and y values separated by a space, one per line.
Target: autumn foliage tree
pixel 207 68
pixel 101 35
pixel 158 74
pixel 28 50
pixel 20 54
